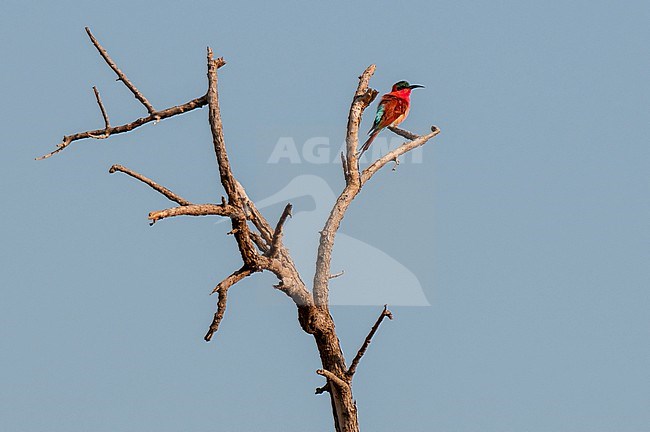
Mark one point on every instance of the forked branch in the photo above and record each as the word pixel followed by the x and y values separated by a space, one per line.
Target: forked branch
pixel 186 207
pixel 107 130
pixel 105 133
pixel 120 75
pixel 363 96
pixel 249 242
pixel 354 180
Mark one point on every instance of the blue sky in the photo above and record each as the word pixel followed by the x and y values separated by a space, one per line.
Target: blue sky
pixel 526 223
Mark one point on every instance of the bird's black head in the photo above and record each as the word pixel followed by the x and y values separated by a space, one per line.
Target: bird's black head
pixel 401 85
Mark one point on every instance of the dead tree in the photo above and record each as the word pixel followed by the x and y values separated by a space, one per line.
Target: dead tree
pixel 259 243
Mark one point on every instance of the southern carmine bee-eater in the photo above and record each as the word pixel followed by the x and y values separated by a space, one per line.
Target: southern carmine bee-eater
pixel 392 110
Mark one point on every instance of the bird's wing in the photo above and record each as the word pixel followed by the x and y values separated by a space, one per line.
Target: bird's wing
pixel 390 109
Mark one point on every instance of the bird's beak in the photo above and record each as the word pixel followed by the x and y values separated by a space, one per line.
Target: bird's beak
pixel 415 86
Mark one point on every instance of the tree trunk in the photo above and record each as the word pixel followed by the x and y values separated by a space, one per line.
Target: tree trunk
pixel 317 320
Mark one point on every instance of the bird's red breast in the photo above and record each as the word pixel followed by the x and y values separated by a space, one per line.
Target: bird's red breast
pixel 395 108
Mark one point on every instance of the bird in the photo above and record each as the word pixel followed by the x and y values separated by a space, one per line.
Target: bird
pixel 392 110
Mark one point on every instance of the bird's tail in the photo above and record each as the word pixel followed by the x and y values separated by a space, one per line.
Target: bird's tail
pixel 369 141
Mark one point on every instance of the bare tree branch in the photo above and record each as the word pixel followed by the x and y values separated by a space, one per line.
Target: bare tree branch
pixel 138 95
pixel 107 123
pixel 222 288
pixel 197 210
pixel 159 115
pixel 282 266
pixel 163 190
pixel 353 366
pixel 352 188
pixel 218 315
pixel 153 114
pixel 393 155
pixel 362 98
pixel 227 179
pixel 277 235
pixel 231 280
pixel 240 228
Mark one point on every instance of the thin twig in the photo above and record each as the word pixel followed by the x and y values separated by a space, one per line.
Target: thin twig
pixel 339 274
pixel 138 95
pixel 222 288
pixel 353 366
pixel 107 123
pixel 159 115
pixel 277 235
pixel 163 190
